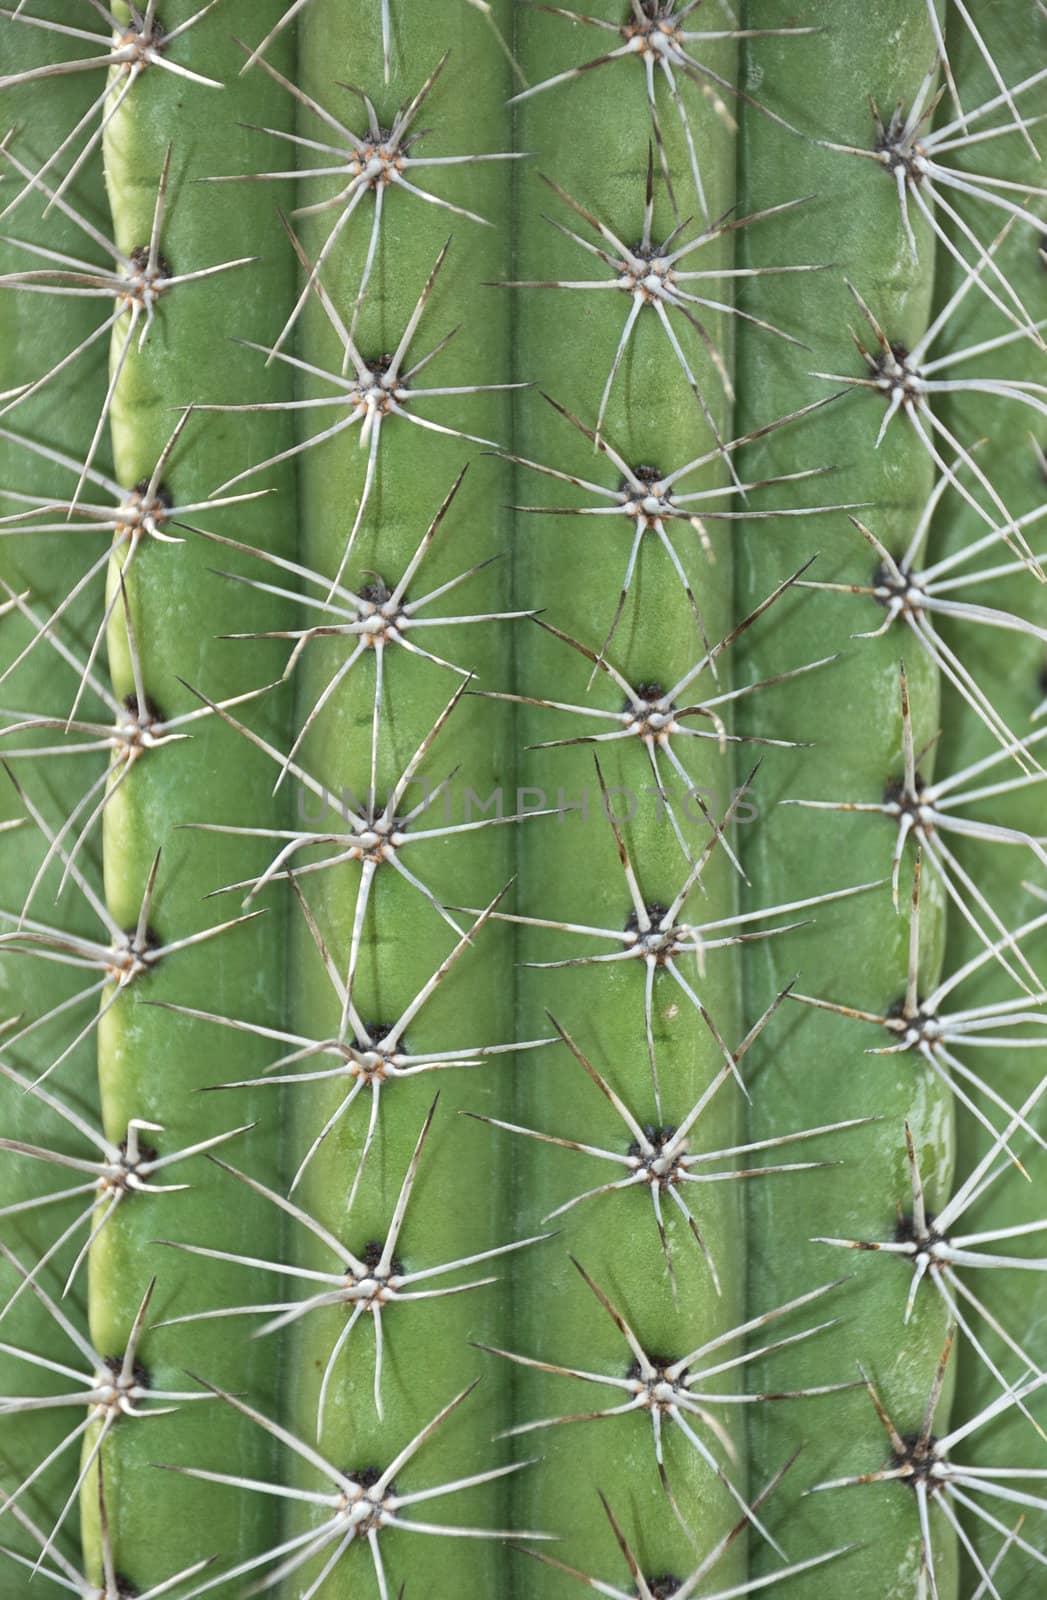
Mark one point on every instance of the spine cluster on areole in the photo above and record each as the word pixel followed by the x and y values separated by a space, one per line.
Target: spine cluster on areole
pixel 532 513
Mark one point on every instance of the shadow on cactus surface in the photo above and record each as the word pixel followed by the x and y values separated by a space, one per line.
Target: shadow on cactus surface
pixel 523 944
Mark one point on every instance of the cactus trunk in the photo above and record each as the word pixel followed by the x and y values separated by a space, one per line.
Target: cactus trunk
pixel 531 1077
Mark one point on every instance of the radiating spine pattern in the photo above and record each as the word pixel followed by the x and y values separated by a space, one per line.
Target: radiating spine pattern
pixel 522 645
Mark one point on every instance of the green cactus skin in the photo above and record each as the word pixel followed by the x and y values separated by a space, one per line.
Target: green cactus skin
pixel 1011 675
pixel 28 563
pixel 455 1210
pixel 817 1058
pixel 482 1188
pixel 150 1061
pixel 568 867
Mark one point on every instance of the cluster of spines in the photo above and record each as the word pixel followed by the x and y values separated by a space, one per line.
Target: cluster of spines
pixel 374 834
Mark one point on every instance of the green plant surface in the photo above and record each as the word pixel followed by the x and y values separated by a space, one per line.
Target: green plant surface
pixel 35 687
pixel 545 875
pixel 574 567
pixel 150 1061
pixel 856 736
pixel 1008 669
pixel 455 1210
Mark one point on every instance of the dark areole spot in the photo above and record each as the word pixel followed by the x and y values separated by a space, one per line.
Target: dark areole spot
pixel 655 913
pixel 905 1232
pixel 150 712
pixel 371 1255
pixel 140 259
pixel 139 1374
pixel 920 1020
pixel 894 793
pixel 664 1586
pixel 919 1454
pixel 151 940
pixel 146 1152
pixel 659 1363
pixel 163 493
pixel 658 1137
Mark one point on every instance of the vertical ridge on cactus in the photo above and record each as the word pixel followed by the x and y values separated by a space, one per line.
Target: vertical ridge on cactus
pixel 1011 678
pixel 149 1061
pixel 27 339
pixel 365 506
pixel 886 56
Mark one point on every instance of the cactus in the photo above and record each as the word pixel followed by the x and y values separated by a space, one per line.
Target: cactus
pixel 522 814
